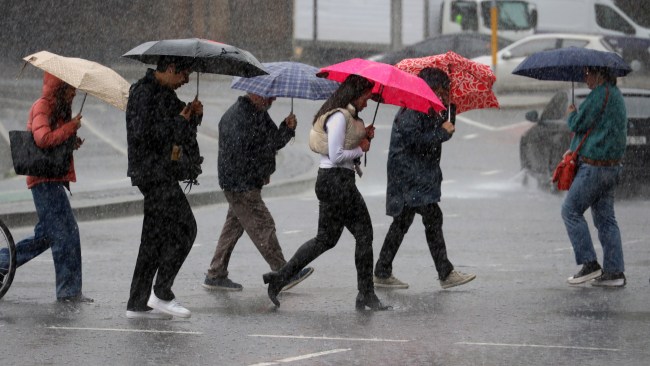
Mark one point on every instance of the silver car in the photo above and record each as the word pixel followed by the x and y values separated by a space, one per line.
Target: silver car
pixel 510 56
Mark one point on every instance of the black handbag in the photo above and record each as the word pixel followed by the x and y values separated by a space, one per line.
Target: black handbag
pixel 29 159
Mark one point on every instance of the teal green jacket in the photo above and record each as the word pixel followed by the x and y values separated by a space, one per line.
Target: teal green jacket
pixel 608 139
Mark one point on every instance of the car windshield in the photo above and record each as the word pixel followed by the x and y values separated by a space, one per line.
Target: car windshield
pixel 512 15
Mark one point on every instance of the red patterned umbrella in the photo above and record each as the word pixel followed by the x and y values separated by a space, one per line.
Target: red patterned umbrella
pixel 471 82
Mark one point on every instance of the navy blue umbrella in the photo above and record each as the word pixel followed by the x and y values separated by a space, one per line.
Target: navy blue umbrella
pixel 568 64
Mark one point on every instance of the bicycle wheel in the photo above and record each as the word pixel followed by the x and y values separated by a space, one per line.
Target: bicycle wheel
pixel 7 250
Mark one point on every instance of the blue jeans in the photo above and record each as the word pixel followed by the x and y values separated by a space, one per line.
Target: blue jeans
pixel 593 187
pixel 56 229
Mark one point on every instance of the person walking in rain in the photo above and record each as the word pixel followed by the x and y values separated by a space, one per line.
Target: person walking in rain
pixel 157 122
pixel 248 143
pixel 339 135
pixel 414 179
pixel 51 123
pixel 599 169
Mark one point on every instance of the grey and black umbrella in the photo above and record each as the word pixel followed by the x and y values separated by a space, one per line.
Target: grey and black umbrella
pixel 204 56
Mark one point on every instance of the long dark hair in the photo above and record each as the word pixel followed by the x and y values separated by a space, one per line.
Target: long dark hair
pixel 604 72
pixel 62 109
pixel 352 88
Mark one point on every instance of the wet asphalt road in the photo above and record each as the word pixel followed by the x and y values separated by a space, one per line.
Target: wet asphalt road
pixel 519 311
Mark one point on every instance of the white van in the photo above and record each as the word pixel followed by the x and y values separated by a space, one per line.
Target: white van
pixel 586 16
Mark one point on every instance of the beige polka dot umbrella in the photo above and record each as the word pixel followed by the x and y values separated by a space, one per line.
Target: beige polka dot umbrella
pixel 88 76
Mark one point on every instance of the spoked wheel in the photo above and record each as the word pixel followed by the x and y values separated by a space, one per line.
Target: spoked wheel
pixel 7 259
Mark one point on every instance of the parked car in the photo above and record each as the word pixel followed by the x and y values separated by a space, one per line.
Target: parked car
pixel 542 146
pixel 466 44
pixel 510 56
pixel 634 50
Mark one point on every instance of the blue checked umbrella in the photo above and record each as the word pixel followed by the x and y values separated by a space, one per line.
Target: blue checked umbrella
pixel 287 79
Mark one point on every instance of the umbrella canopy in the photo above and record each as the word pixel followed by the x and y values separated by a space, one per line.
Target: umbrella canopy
pixel 567 64
pixel 205 56
pixel 87 76
pixel 287 79
pixel 471 82
pixel 393 85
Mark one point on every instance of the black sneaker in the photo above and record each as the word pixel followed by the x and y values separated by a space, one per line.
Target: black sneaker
pixel 221 284
pixel 588 272
pixel 610 279
pixel 304 273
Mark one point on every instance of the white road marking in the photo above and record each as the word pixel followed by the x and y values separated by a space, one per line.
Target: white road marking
pixel 330 338
pixel 126 330
pixel 490 172
pixel 536 346
pixel 116 146
pixel 303 357
pixel 470 136
pixel 292 232
pixel 3 132
pixel 207 138
pixel 487 127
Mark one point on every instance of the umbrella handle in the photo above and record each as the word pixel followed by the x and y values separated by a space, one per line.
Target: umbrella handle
pixel 82 103
pixel 21 70
pixel 291 105
pixel 197 85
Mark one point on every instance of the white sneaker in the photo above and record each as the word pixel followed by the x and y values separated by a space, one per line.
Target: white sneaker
pixel 148 314
pixel 171 307
pixel 456 278
pixel 390 282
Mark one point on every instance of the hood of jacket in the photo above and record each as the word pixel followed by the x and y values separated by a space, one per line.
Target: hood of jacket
pixel 50 85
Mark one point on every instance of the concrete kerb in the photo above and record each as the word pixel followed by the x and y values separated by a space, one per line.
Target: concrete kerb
pixel 108 209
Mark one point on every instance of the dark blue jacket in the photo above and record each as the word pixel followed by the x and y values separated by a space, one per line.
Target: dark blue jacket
pixel 248 143
pixel 414 174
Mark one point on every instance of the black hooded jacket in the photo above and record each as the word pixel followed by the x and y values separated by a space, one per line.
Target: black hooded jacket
pixel 153 126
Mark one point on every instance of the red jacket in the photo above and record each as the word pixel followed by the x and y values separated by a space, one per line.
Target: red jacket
pixel 44 136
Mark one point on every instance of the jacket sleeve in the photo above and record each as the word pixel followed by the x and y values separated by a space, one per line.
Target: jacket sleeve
pixel 420 133
pixel 279 136
pixel 44 136
pixel 142 110
pixel 582 120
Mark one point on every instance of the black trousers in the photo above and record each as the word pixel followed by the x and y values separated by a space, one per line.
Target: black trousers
pixel 432 220
pixel 340 206
pixel 168 233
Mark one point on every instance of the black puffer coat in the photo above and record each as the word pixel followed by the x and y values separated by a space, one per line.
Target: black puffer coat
pixel 153 126
pixel 248 143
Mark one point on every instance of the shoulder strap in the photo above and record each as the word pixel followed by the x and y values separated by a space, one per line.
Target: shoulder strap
pixel 602 109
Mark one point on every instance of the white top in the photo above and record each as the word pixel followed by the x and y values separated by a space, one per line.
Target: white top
pixel 338 157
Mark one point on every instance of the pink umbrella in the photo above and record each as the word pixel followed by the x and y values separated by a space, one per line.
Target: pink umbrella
pixel 393 85
pixel 471 82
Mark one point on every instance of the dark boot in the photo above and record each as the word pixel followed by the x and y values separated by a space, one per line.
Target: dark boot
pixel 276 282
pixel 307 252
pixel 372 301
